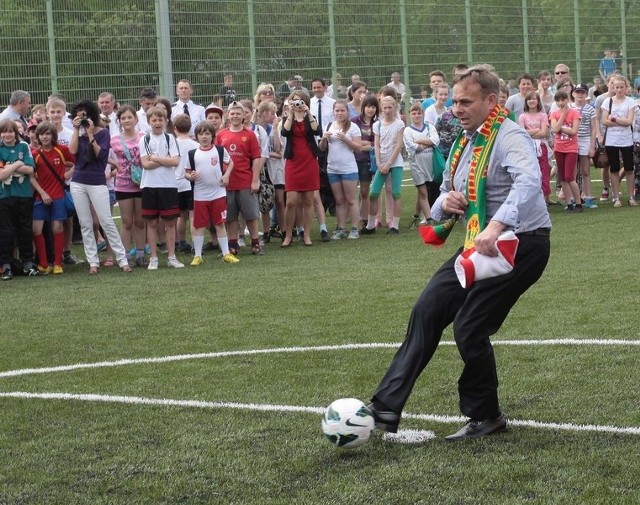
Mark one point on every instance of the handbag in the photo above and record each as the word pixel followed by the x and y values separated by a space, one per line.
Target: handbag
pixel 373 166
pixel 135 171
pixel 68 199
pixel 266 193
pixel 600 158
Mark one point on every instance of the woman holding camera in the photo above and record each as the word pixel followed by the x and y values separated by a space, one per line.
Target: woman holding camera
pixel 90 144
pixel 301 171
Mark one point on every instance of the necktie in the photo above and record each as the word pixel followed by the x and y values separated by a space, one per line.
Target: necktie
pixel 185 108
pixel 319 118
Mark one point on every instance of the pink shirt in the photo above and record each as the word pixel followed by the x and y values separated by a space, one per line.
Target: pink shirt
pixel 533 120
pixel 566 143
pixel 123 176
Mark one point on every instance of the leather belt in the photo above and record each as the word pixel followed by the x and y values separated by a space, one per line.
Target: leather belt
pixel 540 232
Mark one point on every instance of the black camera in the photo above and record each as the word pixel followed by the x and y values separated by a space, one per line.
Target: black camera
pixel 83 120
pixel 298 104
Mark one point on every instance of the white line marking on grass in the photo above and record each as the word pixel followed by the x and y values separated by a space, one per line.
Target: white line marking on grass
pixel 409 436
pixel 166 402
pixel 277 350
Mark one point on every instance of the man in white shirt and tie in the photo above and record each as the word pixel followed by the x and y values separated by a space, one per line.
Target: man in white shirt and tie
pixel 321 105
pixel 185 105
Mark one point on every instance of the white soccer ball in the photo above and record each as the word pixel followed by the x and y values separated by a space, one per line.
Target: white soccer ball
pixel 347 423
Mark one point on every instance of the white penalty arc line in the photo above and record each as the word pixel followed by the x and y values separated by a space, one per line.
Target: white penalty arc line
pixel 278 350
pixel 166 402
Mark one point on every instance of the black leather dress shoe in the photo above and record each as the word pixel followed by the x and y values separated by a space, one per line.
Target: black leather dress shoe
pixel 385 420
pixel 475 429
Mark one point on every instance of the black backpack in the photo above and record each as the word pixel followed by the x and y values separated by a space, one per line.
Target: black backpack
pixel 192 158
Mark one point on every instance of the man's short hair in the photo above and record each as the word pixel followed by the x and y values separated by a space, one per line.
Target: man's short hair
pixel 525 77
pixel 182 123
pixel 320 80
pixel 438 73
pixel 18 96
pixel 149 93
pixel 484 76
pixel 106 94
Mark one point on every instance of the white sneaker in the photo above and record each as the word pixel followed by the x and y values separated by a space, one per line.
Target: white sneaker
pixel 241 242
pixel 174 263
pixel 354 234
pixel 153 263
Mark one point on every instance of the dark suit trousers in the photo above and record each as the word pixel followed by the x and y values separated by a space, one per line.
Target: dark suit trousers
pixel 476 314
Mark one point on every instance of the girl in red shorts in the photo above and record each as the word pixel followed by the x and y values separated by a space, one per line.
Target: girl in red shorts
pixel 564 124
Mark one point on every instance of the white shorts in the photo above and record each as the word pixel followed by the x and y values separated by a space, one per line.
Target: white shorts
pixel 584 143
pixel 422 167
pixel 275 169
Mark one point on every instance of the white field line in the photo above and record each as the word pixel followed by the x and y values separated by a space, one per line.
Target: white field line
pixel 165 402
pixel 278 350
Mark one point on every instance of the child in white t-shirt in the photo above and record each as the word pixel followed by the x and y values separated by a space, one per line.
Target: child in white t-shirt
pixel 159 157
pixel 182 127
pixel 342 139
pixel 420 138
pixel 205 170
pixel 388 131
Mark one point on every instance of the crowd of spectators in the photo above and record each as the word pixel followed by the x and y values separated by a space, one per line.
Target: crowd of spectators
pixel 284 158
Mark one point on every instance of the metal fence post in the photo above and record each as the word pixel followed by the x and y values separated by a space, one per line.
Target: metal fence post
pixel 576 35
pixel 332 43
pixel 252 46
pixel 53 65
pixel 467 17
pixel 525 34
pixel 405 57
pixel 623 36
pixel 163 37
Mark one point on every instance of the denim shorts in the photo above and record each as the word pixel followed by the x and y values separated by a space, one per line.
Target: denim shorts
pixel 338 178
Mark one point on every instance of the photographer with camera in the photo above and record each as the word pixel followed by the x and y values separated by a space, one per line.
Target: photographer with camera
pixel 90 144
pixel 301 172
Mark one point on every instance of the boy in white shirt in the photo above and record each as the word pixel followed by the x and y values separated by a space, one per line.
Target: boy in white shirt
pixel 420 139
pixel 181 128
pixel 159 156
pixel 209 193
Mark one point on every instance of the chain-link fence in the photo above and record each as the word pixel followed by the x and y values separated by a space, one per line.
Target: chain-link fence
pixel 83 47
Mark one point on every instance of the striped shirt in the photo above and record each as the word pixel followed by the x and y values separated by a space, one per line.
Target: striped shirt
pixel 587 112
